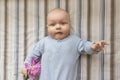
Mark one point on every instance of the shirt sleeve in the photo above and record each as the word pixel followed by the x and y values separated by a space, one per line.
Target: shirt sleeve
pixel 36 52
pixel 85 47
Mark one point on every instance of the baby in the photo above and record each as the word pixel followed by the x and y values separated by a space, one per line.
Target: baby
pixel 60 50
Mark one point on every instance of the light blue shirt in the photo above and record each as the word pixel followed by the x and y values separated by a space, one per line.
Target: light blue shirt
pixel 60 58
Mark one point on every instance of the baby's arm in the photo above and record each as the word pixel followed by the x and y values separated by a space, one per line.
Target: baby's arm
pixel 91 47
pixel 36 53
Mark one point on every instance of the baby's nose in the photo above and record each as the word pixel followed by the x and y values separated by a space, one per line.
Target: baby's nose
pixel 58 26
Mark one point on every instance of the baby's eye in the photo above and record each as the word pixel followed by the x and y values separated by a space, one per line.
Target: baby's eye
pixel 52 24
pixel 63 23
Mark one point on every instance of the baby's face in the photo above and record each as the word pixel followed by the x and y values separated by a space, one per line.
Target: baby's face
pixel 58 24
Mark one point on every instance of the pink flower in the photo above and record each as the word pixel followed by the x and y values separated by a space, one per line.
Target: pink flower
pixel 33 68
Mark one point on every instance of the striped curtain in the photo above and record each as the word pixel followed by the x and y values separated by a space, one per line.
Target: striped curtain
pixel 23 23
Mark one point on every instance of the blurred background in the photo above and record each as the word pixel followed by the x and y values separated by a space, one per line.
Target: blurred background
pixel 23 23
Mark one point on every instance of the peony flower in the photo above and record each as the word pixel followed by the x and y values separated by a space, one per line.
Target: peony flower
pixel 34 68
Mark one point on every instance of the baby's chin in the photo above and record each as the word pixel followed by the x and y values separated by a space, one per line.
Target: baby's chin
pixel 60 37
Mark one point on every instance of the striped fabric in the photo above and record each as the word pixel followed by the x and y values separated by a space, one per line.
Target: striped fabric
pixel 23 23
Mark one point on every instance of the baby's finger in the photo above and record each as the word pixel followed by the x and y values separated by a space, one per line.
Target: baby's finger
pixel 104 42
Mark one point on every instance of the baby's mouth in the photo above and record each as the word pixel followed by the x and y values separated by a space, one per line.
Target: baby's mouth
pixel 59 33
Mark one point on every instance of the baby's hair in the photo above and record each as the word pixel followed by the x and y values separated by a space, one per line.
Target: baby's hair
pixel 59 9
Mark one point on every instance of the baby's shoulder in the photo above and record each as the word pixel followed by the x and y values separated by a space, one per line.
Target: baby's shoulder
pixel 74 36
pixel 42 40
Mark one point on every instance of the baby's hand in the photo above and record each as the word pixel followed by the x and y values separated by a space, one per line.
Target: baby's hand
pixel 98 46
pixel 24 71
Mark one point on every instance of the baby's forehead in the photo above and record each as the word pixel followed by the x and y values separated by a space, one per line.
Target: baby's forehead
pixel 56 11
pixel 59 12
